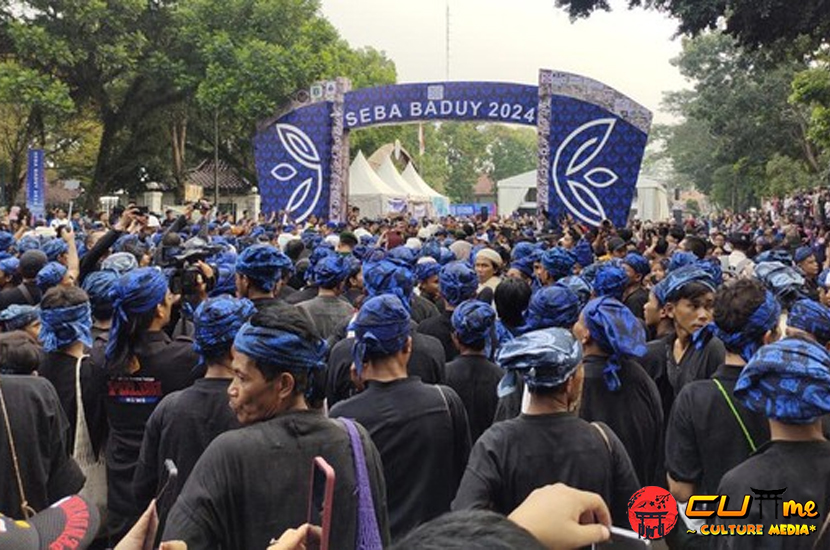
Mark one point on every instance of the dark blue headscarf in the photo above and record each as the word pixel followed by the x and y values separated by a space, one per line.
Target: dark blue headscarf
pixel 610 280
pixel 332 270
pixel 713 267
pixel 387 277
pixel 225 280
pixel 16 316
pixel 28 243
pixel 403 255
pixel 551 306
pixel 381 329
pixel 424 270
pixel 9 266
pixel 802 253
pixel 50 275
pixel 783 280
pixel 319 252
pixel 811 317
pixel 667 289
pixel 522 249
pixel 638 263
pixel 558 262
pixel 62 326
pixel 447 256
pixel 216 322
pixel 263 264
pixel 584 253
pixel 98 286
pixel 53 248
pixel 617 331
pixel 280 349
pixel 544 358
pixel 458 282
pixel 579 286
pixel 747 340
pixel 681 258
pixel 6 241
pixel 135 292
pixel 524 265
pixel 788 381
pixel 775 255
pixel 473 321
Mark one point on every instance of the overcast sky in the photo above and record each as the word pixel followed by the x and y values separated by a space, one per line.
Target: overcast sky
pixel 510 40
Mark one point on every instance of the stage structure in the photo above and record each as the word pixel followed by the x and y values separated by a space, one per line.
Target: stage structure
pixel 591 140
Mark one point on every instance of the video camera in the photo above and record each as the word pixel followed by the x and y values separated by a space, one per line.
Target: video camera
pixel 185 278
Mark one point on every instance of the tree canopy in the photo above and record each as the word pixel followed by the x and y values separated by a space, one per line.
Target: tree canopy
pixel 752 22
pixel 157 75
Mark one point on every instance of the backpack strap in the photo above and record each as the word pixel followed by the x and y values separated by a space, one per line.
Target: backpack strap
pixel 24 290
pixel 735 414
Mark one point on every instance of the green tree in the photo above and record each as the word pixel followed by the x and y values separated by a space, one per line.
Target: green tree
pixel 31 106
pixel 510 150
pixel 752 22
pixel 737 120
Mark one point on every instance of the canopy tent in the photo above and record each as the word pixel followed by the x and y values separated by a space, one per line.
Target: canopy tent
pixel 370 193
pixel 420 204
pixel 440 203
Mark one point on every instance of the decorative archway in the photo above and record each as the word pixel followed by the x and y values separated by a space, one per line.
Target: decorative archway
pixel 591 140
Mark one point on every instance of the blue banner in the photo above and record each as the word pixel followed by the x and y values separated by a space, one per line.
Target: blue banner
pixel 293 163
pixel 36 184
pixel 468 210
pixel 479 101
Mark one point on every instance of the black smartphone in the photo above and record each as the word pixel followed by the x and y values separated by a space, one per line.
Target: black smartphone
pixel 170 477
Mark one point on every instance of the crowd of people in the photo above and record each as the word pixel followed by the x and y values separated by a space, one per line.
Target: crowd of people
pixel 476 383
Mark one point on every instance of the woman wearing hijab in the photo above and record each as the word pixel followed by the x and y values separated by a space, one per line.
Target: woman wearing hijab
pixel 617 390
pixel 549 443
pixel 143 364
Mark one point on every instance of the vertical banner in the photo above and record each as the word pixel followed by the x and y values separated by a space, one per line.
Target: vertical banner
pixel 36 183
pixel 596 144
pixel 339 193
pixel 293 163
pixel 543 122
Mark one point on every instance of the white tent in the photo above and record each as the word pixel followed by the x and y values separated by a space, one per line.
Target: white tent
pixel 440 203
pixel 370 193
pixel 652 201
pixel 517 192
pixel 419 203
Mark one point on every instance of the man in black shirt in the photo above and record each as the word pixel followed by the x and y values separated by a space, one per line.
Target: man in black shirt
pixel 27 292
pixel 427 358
pixel 66 335
pixel 41 439
pixel 787 381
pixel 252 484
pixel 420 430
pixel 472 375
pixel 457 283
pixel 709 430
pixel 186 421
pixel 635 296
pixel 259 274
pixel 616 389
pixel 549 443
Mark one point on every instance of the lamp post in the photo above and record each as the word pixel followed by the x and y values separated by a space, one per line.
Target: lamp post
pixel 216 157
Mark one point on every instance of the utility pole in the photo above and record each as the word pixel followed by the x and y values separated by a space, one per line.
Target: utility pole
pixel 448 40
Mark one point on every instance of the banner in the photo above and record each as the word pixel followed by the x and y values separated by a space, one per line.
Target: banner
pixel 36 184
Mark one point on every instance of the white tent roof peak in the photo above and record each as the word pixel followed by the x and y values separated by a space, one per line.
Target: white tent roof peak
pixel 393 179
pixel 364 181
pixel 415 180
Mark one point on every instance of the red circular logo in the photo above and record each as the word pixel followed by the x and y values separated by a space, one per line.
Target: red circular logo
pixel 652 512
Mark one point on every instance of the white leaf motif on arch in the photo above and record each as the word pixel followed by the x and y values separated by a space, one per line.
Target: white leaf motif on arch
pixel 300 148
pixel 576 191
